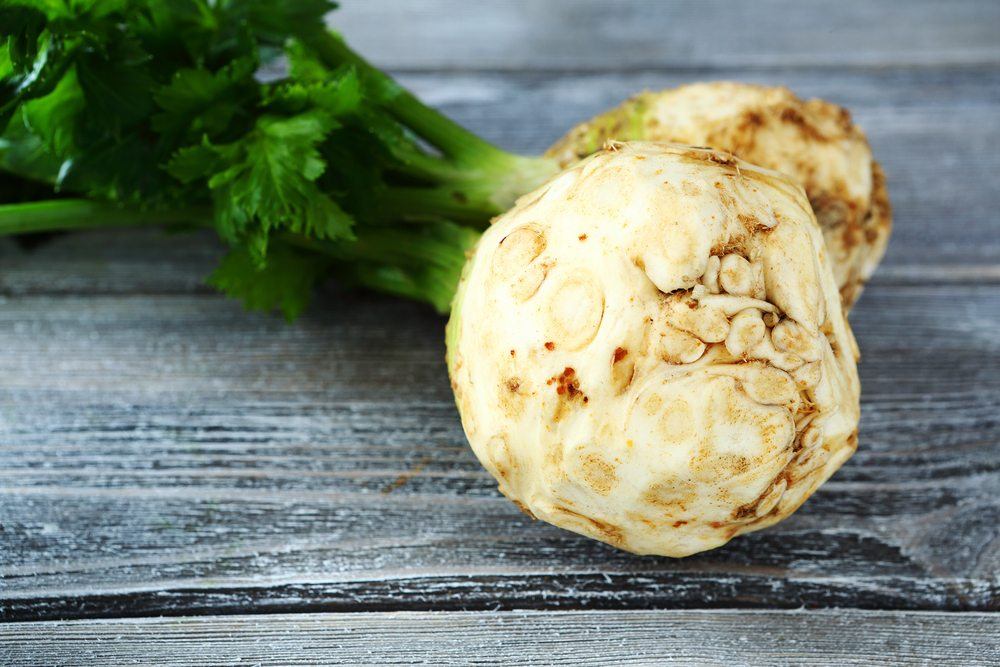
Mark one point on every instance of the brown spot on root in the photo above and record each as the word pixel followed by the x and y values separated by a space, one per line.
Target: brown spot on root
pixel 638 518
pixel 794 117
pixel 513 384
pixel 549 345
pixel 844 119
pixel 690 189
pixel 836 210
pixel 567 384
pixel 521 506
pixel 735 245
pixel 513 353
pixel 748 510
pixel 582 237
pixel 723 159
pixel 739 465
pixel 880 196
pixel 703 154
pixel 598 474
pixel 611 533
pixel 670 496
pixel 620 353
pixel 678 524
pixel 849 292
pixel 751 509
pixel 753 224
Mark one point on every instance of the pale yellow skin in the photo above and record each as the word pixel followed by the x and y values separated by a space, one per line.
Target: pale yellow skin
pixel 650 350
pixel 813 141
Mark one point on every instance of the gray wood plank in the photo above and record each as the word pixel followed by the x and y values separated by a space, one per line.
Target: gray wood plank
pixel 934 130
pixel 166 454
pixel 725 637
pixel 596 34
pixel 163 453
pixel 113 261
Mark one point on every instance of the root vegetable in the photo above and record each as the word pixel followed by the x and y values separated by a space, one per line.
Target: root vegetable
pixel 568 397
pixel 813 141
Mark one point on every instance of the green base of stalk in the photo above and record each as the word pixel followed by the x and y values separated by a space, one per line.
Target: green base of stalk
pixel 473 198
pixel 422 262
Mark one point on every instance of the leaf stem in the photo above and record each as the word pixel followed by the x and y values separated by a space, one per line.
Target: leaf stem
pixel 453 203
pixel 422 263
pixel 76 214
pixel 451 138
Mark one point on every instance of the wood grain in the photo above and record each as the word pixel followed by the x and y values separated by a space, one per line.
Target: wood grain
pixel 725 637
pixel 170 455
pixel 595 34
pixel 162 452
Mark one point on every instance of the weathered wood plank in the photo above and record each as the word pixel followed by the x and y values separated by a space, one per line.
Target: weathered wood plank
pixel 170 454
pixel 594 34
pixel 161 452
pixel 114 261
pixel 934 130
pixel 724 637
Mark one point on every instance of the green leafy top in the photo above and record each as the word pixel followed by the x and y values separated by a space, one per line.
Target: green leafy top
pixel 154 106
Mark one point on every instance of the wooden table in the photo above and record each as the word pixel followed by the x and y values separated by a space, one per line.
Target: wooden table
pixel 181 482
